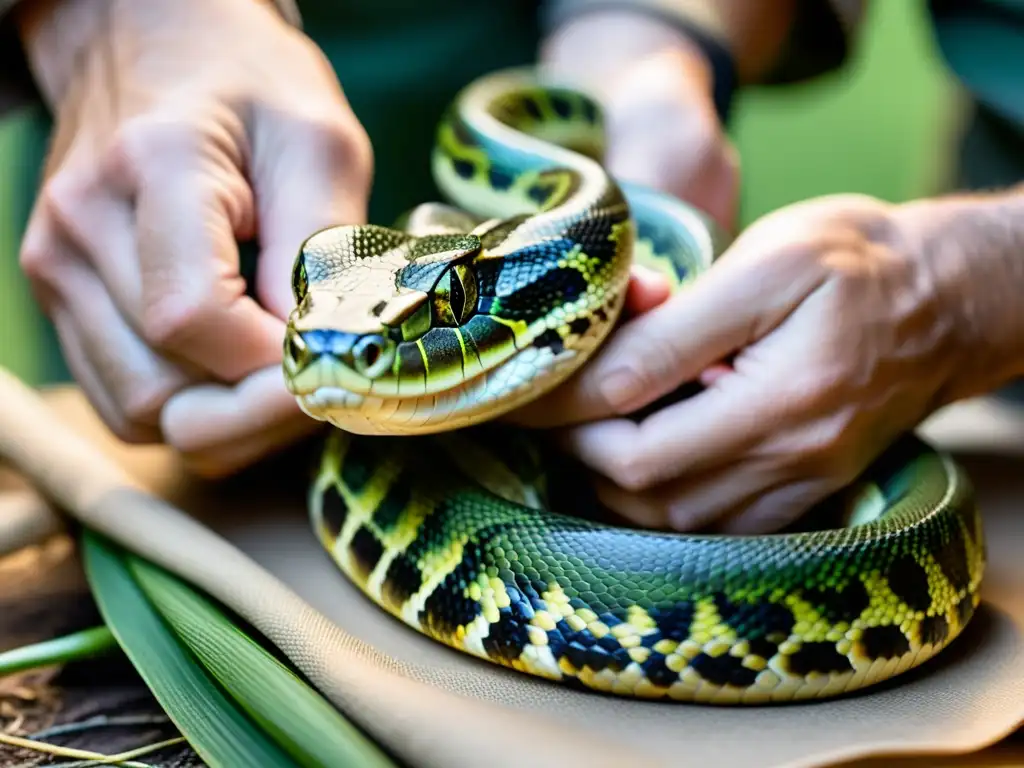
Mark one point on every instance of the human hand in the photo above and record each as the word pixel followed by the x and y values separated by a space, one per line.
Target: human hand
pixel 655 89
pixel 828 328
pixel 182 128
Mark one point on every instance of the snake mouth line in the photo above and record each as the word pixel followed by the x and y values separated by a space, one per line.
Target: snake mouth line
pixel 486 395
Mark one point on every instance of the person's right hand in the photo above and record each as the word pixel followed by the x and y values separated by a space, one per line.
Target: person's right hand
pixel 182 128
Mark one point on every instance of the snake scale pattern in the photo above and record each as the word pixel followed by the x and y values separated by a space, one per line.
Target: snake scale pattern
pixel 407 339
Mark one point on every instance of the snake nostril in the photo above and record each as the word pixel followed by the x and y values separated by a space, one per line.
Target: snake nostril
pixel 373 355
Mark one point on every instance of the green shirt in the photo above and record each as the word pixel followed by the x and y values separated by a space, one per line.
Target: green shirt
pixel 400 63
pixel 982 41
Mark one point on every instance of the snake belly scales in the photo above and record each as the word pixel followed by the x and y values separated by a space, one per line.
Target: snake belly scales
pixel 406 339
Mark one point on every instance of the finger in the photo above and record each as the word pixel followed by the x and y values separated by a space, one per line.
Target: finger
pixel 695 435
pixel 775 509
pixel 92 385
pixel 136 378
pixel 693 502
pixel 646 290
pixel 98 219
pixel 194 302
pixel 127 382
pixel 222 429
pixel 311 177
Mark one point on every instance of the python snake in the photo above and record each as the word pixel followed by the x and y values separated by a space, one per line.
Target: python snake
pixel 408 338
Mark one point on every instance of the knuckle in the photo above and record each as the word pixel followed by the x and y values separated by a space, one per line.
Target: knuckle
pixel 142 405
pixel 140 139
pixel 826 452
pixel 59 207
pixel 631 471
pixel 39 261
pixel 173 320
pixel 344 141
pixel 61 198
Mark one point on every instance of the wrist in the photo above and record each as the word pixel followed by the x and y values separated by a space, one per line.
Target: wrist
pixel 611 52
pixel 970 247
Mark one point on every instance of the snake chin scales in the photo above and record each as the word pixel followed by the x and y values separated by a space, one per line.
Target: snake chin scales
pixel 408 338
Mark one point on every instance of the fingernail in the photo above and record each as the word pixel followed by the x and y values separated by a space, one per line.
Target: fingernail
pixel 620 389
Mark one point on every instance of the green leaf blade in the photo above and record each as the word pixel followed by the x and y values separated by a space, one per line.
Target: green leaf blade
pixel 220 733
pixel 305 724
pixel 59 650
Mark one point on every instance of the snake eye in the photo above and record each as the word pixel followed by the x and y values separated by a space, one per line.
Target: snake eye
pixel 300 283
pixel 455 296
pixel 373 355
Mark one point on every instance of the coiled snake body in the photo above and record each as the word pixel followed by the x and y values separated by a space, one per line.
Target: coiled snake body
pixel 459 314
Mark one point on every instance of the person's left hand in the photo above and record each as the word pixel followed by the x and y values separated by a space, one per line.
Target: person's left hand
pixel 654 86
pixel 840 332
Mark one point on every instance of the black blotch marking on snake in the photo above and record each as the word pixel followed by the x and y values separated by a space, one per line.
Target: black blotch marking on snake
pixel 402 580
pixel 333 511
pixel 673 622
pixel 964 610
pixel 507 637
pixel 657 671
pixel 463 168
pixel 550 339
pixel 500 179
pixel 366 550
pixel 579 326
pixel 841 603
pixel 531 107
pixel 447 608
pixel 885 642
pixel 539 193
pixel 723 670
pixel 755 620
pixel 909 582
pixel 953 561
pixel 390 509
pixel 934 630
pixel 762 647
pixel 561 106
pixel 818 657
pixel 357 469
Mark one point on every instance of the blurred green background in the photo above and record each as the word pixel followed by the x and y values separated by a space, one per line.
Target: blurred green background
pixel 886 125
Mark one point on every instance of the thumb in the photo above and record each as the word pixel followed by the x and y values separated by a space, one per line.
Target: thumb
pixel 307 178
pixel 647 289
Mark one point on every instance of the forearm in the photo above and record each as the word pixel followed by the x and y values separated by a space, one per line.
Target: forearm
pixel 973 246
pixel 56 34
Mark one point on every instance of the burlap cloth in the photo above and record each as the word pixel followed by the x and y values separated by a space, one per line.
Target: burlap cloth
pixel 970 697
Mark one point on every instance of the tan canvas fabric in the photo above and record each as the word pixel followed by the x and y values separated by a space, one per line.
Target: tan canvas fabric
pixel 435 707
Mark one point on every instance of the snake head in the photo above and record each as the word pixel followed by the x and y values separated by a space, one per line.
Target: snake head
pixel 401 334
pixel 367 297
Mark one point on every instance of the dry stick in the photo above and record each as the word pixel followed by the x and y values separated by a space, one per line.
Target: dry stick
pixel 402 711
pixel 84 754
